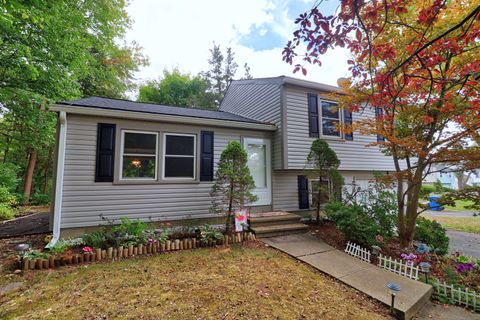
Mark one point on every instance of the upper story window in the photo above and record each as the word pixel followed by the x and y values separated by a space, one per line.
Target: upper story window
pixel 325 118
pixel 139 155
pixel 179 160
pixel 331 119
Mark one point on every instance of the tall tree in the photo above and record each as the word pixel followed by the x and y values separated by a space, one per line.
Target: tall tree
pixel 178 89
pixel 233 184
pixel 417 63
pixel 56 50
pixel 223 69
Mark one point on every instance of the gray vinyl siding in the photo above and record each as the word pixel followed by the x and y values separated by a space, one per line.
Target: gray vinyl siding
pixel 285 186
pixel 261 102
pixel 354 155
pixel 84 199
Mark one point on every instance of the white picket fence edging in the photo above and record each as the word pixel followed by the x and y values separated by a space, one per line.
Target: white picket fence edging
pixel 460 296
pixel 399 267
pixel 358 252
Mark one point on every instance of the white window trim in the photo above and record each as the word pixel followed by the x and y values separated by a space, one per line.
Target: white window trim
pixel 340 119
pixel 164 155
pixel 122 154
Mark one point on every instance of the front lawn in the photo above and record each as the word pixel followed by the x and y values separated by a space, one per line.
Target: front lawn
pixel 240 282
pixel 465 224
pixel 459 206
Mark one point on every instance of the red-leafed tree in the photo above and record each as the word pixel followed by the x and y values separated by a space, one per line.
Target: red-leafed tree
pixel 418 63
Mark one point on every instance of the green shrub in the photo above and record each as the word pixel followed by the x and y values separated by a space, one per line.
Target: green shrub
pixel 7 198
pixel 59 247
pixel 6 212
pixel 40 199
pixel 207 232
pixel 95 239
pixel 426 190
pixel 354 222
pixel 432 234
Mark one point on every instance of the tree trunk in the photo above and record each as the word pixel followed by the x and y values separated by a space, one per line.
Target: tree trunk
pixel 230 207
pixel 27 189
pixel 47 170
pixel 319 195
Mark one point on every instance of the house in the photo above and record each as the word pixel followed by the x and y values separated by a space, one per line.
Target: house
pixel 448 177
pixel 120 158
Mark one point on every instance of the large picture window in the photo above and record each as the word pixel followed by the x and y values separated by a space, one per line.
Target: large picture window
pixel 330 119
pixel 179 156
pixel 139 155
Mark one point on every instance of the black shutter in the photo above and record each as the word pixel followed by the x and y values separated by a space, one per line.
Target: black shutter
pixel 303 202
pixel 105 152
pixel 348 119
pixel 206 156
pixel 313 115
pixel 378 113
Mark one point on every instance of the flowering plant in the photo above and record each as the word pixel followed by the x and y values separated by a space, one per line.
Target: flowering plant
pixel 464 267
pixel 87 249
pixel 409 257
pixel 151 240
pixel 379 238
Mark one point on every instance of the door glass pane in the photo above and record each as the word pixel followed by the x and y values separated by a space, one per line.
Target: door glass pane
pixel 257 163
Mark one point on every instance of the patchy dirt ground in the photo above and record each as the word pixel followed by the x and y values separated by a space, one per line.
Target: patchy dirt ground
pixel 240 282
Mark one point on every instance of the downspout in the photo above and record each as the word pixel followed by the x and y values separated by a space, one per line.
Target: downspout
pixel 57 212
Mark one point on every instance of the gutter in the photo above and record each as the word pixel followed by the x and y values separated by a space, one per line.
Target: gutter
pixel 57 212
pixel 92 111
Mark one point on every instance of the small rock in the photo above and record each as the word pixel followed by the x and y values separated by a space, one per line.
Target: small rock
pixel 17 271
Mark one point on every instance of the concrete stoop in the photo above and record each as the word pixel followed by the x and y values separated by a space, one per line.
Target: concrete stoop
pixel 272 224
pixel 358 274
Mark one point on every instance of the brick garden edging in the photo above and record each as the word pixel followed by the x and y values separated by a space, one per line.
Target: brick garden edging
pixel 122 252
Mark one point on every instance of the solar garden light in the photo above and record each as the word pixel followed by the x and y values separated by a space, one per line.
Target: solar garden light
pixel 376 250
pixel 425 267
pixel 21 249
pixel 394 289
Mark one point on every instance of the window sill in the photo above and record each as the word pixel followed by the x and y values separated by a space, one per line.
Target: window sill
pixel 156 182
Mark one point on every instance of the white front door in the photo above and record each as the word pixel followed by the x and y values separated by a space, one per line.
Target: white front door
pixel 259 163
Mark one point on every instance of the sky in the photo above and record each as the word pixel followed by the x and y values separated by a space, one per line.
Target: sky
pixel 179 33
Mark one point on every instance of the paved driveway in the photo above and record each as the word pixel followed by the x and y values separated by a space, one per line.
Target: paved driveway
pixel 465 243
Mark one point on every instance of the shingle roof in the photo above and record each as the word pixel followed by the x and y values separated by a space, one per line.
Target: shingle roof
pixel 126 105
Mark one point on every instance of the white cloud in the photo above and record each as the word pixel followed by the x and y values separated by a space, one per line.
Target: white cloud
pixel 179 33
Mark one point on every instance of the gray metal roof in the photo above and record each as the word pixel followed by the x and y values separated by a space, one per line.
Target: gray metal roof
pixel 126 105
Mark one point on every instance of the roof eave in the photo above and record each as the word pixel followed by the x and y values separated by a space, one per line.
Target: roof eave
pixel 134 115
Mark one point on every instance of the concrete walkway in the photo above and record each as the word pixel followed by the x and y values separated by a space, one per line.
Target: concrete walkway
pixel 360 275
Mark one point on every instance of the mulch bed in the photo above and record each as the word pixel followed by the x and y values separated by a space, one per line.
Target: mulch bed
pixel 328 232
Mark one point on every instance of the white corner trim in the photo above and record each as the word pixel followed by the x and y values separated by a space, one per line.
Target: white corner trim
pixel 57 212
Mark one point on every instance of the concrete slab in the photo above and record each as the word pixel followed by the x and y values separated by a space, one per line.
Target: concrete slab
pixel 336 263
pixel 298 244
pixel 358 274
pixel 372 281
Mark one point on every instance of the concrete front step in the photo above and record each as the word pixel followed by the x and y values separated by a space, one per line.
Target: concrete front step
pixel 279 230
pixel 274 220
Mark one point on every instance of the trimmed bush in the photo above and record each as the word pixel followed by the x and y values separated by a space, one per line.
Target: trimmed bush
pixel 354 222
pixel 432 234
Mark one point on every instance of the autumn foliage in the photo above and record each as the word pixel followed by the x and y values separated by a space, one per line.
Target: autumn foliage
pixel 417 62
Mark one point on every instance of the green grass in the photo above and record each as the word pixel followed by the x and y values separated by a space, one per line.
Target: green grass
pixel 465 224
pixel 238 282
pixel 459 206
